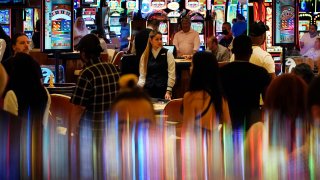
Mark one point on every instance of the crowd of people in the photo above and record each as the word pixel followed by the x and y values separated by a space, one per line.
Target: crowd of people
pixel 233 116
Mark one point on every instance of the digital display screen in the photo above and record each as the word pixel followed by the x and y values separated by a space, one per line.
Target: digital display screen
pixel 163 27
pixel 89 15
pixel 4 16
pixel 114 21
pixel 285 22
pixel 201 37
pixel 306 6
pixel 173 20
pixel 58 25
pixel 232 12
pixel 304 25
pixel 28 23
pixel 88 2
pixel 164 39
pixel 318 23
pixel 12 2
pixel 197 26
pixel 6 29
pixel 115 29
pixel 219 10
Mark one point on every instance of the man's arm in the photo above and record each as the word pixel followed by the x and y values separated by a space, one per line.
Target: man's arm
pixel 196 44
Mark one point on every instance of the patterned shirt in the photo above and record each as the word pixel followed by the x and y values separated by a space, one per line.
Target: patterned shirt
pixel 96 88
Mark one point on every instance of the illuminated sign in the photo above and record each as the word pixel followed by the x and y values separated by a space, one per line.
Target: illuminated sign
pixel 58 25
pixel 284 22
pixel 173 6
pixel 158 4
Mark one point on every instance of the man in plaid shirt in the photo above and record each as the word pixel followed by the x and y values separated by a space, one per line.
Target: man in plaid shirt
pixel 97 84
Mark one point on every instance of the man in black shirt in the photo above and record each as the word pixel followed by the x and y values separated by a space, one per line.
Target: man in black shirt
pixel 141 39
pixel 243 83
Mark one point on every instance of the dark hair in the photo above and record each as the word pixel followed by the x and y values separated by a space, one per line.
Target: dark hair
pixel 38 25
pixel 314 26
pixel 90 45
pixel 286 95
pixel 154 22
pixel 242 45
pixel 122 19
pixel 314 93
pixel 25 81
pixel 16 36
pixel 240 17
pixel 205 77
pixel 304 71
pixel 228 24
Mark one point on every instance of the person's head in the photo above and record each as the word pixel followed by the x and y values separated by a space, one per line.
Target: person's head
pixel 314 100
pixel 154 24
pixel 240 17
pixel 79 23
pixel 90 49
pixel 226 28
pixel 286 95
pixel 313 29
pixel 304 71
pixel 20 43
pixel 234 20
pixel 205 77
pixel 212 43
pixel 130 97
pixel 155 42
pixel 317 44
pixel 3 79
pixel 123 21
pixel 257 32
pixel 185 23
pixel 25 81
pixel 38 25
pixel 242 48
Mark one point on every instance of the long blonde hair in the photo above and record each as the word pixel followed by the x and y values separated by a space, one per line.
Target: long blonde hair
pixel 145 55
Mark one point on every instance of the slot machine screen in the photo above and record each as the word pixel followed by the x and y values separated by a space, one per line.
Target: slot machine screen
pixel 58 25
pixel 163 27
pixel 304 25
pixel 6 29
pixel 232 12
pixel 4 1
pixel 285 22
pixel 197 26
pixel 89 15
pixel 219 10
pixel 173 20
pixel 318 23
pixel 88 2
pixel 4 16
pixel 201 37
pixel 115 29
pixel 306 6
pixel 114 21
pixel 164 39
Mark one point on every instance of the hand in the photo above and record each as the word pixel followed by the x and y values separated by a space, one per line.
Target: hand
pixel 168 95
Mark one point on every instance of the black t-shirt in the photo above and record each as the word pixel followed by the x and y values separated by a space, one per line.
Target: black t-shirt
pixel 243 82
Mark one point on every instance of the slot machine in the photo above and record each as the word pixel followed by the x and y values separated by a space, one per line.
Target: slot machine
pixel 5 20
pixel 28 23
pixel 197 24
pixel 89 17
pixel 161 16
pixel 114 14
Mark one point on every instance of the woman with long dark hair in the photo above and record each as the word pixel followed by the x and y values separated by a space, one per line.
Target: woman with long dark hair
pixel 204 102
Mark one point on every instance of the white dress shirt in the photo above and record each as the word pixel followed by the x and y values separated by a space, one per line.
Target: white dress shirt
pixel 171 70
pixel 187 42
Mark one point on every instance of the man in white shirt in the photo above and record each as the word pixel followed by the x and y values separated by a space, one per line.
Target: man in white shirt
pixel 187 40
pixel 308 39
pixel 259 56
